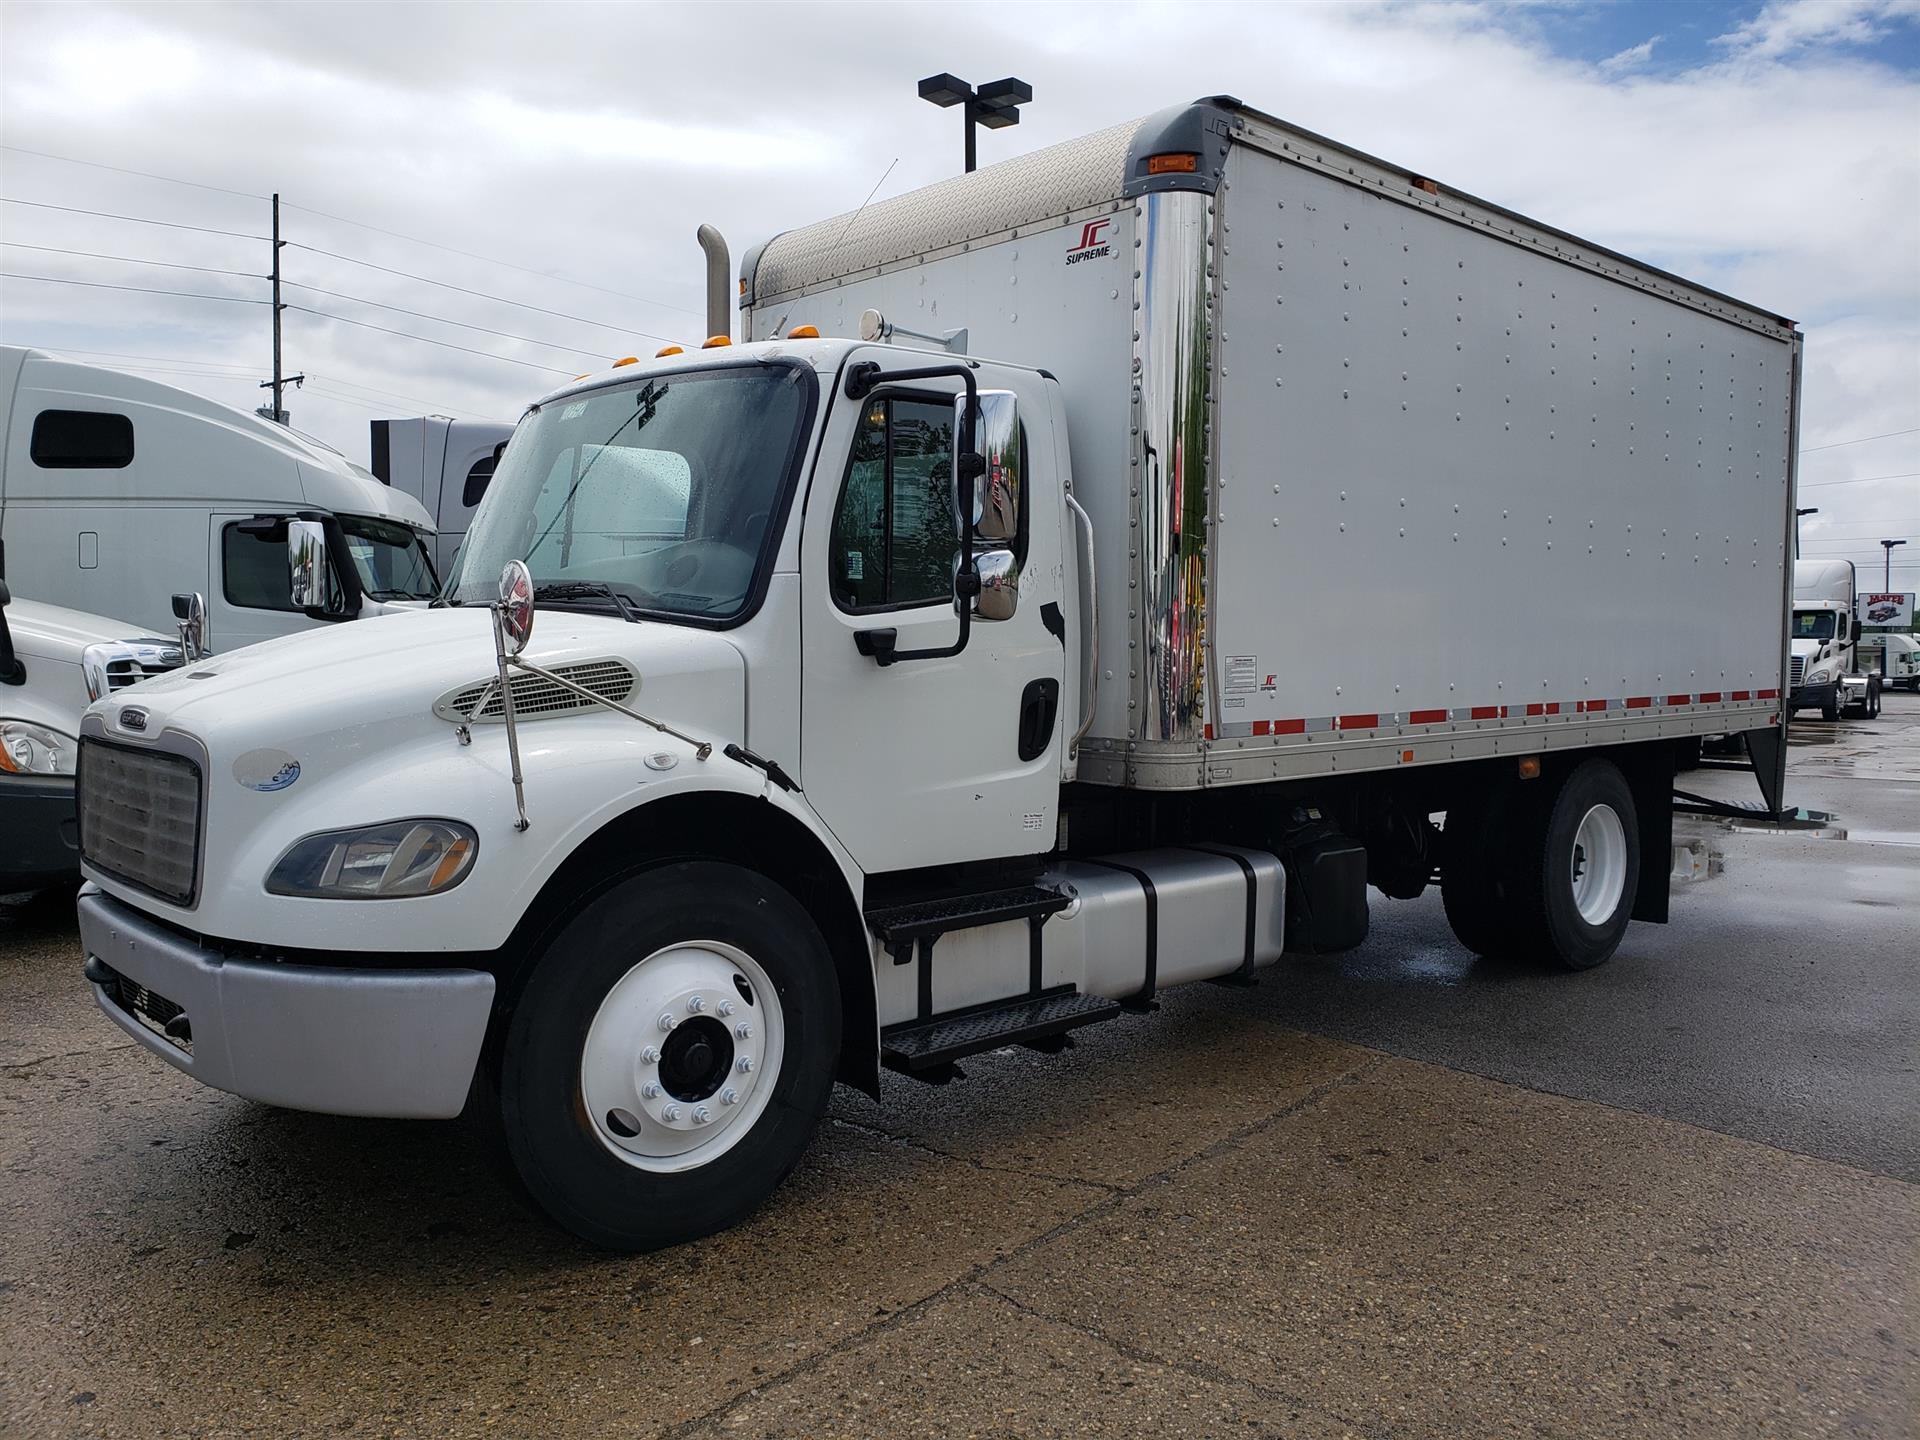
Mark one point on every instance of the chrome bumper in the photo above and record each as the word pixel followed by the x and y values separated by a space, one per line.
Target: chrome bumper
pixel 399 1043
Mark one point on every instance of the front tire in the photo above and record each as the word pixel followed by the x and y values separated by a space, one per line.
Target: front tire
pixel 1576 868
pixel 670 1056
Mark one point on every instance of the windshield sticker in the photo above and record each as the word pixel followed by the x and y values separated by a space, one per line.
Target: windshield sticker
pixel 574 411
pixel 266 770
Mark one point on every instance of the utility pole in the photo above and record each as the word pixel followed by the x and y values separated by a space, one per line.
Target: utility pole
pixel 278 414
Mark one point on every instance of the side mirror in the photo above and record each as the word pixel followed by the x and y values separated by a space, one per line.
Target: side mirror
pixel 190 615
pixel 996 439
pixel 1856 627
pixel 10 672
pixel 307 561
pixel 999 593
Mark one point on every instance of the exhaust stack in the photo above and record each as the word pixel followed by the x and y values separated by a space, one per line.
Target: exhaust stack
pixel 719 271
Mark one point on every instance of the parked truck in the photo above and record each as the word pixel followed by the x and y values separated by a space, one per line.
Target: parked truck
pixel 1894 657
pixel 118 493
pixel 444 464
pixel 1825 669
pixel 955 663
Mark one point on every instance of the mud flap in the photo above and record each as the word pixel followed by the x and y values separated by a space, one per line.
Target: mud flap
pixel 1650 777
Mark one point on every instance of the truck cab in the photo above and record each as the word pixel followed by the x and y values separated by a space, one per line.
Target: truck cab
pixel 1823 635
pixel 445 464
pixel 118 493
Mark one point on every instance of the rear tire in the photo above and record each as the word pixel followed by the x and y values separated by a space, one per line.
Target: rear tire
pixel 1830 709
pixel 1576 866
pixel 585 1037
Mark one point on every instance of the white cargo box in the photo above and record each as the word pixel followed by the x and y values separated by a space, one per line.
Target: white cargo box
pixel 1380 474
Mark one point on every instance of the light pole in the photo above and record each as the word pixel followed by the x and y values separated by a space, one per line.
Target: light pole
pixel 995 106
pixel 1886 579
pixel 1810 510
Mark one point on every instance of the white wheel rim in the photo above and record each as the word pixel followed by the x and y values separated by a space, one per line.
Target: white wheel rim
pixel 644 1070
pixel 1599 864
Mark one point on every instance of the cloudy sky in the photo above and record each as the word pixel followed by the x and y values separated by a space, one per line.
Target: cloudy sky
pixel 537 172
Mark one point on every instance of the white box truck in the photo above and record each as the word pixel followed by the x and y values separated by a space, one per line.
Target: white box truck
pixel 443 463
pixel 118 493
pixel 1825 669
pixel 826 701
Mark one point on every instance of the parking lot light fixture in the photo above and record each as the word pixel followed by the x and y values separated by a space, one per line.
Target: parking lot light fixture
pixel 996 105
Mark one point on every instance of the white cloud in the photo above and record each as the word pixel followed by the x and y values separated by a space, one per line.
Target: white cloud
pixel 1784 26
pixel 1631 58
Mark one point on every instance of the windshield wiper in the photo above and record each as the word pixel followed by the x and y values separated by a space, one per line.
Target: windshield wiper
pixel 581 589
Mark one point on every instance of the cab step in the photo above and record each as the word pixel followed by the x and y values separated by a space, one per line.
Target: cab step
pixel 900 927
pixel 929 1044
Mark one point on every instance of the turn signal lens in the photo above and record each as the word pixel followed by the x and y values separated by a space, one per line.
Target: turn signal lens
pixel 1530 767
pixel 804 332
pixel 397 860
pixel 714 342
pixel 1183 163
pixel 626 360
pixel 666 350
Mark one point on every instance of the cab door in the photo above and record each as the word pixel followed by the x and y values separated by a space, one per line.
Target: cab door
pixel 248 584
pixel 939 760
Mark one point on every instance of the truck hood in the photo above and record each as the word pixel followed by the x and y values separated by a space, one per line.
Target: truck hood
pixel 55 633
pixel 327 696
pixel 1806 649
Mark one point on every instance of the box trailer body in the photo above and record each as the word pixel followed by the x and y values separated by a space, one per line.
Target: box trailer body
pixel 1309 396
pixel 118 492
pixel 963 658
pixel 444 464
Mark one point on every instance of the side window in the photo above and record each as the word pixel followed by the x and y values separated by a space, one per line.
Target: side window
pixel 81 440
pixel 894 533
pixel 254 574
pixel 477 479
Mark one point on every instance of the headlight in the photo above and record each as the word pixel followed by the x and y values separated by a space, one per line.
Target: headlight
pixel 29 749
pixel 380 862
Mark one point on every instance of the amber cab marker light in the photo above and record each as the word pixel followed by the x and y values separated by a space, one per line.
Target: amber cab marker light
pixel 1530 767
pixel 1182 163
pixel 666 350
pixel 714 342
pixel 626 360
pixel 804 332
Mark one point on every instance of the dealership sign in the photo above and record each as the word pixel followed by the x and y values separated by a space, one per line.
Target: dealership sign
pixel 1893 609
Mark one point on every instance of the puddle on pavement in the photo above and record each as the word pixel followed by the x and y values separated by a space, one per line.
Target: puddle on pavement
pixel 1884 837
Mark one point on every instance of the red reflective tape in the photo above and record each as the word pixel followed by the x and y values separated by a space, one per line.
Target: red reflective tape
pixel 1742 695
pixel 1263 727
pixel 1553 707
pixel 1766 695
pixel 1536 710
pixel 1709 697
pixel 1358 722
pixel 1207 732
pixel 1639 702
pixel 1485 712
pixel 1289 727
pixel 1426 717
pixel 1679 699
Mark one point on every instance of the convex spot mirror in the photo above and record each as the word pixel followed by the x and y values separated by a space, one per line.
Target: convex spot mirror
pixel 999 593
pixel 516 606
pixel 996 440
pixel 190 618
pixel 307 563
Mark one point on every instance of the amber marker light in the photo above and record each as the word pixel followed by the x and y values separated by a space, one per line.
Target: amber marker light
pixel 1183 162
pixel 1530 767
pixel 626 360
pixel 804 332
pixel 714 342
pixel 666 350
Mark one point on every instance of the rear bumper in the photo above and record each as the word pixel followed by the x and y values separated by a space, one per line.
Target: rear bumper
pixel 39 835
pixel 399 1043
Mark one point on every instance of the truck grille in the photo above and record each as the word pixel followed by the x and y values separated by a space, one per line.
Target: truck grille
pixel 122 673
pixel 1796 668
pixel 140 817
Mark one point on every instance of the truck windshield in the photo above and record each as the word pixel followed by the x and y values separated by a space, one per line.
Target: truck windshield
pixel 662 491
pixel 1813 624
pixel 391 558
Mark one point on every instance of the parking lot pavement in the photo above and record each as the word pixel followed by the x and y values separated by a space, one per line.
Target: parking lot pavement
pixel 1397 1193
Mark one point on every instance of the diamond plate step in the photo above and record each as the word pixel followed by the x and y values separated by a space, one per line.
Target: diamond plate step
pixel 940 1041
pixel 899 926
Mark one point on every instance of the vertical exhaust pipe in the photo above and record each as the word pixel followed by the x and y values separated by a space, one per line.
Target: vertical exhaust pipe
pixel 719 273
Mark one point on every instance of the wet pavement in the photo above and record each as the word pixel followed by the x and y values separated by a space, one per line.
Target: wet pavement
pixel 1396 1193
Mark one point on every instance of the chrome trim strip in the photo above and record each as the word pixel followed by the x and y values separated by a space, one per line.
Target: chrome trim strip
pixel 1089 622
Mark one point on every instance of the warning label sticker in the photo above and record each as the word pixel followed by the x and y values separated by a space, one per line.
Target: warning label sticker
pixel 1243 674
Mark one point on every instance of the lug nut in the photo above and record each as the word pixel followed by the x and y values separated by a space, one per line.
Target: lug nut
pixel 702 1115
pixel 729 1096
pixel 726 1007
pixel 667 1022
pixel 746 1065
pixel 671 1113
pixel 650 1091
pixel 743 1030
pixel 696 1005
pixel 650 1054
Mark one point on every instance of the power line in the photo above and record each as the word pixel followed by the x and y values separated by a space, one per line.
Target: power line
pixel 497 299
pixel 425 340
pixel 123 170
pixel 1861 479
pixel 1860 440
pixel 442 405
pixel 131 219
pixel 123 355
pixel 490 260
pixel 138 289
pixel 129 260
pixel 423 315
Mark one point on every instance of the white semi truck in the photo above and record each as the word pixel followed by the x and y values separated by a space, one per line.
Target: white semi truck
pixel 445 464
pixel 954 662
pixel 118 493
pixel 1825 668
